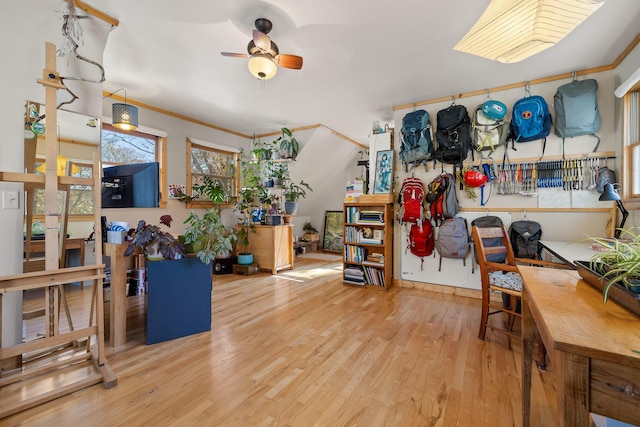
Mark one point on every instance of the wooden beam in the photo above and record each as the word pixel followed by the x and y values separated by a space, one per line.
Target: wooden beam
pixel 95 12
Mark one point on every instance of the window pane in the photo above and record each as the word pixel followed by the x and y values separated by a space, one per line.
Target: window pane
pixel 213 163
pixel 635 169
pixel 122 148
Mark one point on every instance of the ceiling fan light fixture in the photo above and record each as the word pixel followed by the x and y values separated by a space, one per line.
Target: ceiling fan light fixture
pixel 262 66
pixel 512 30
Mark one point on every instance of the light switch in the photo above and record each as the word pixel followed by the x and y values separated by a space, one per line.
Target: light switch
pixel 10 200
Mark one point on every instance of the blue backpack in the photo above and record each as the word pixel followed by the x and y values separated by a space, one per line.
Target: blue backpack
pixel 417 146
pixel 530 120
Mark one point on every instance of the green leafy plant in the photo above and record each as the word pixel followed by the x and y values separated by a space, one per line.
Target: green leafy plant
pixel 216 239
pixel 309 228
pixel 618 261
pixel 288 144
pixel 210 188
pixel 152 240
pixel 293 192
pixel 243 237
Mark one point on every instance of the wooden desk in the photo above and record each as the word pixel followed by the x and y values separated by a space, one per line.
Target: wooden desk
pixel 37 246
pixel 598 370
pixel 568 252
pixel 118 305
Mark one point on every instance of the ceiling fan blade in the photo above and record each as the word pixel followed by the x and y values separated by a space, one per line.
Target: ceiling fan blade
pixel 235 55
pixel 289 61
pixel 261 40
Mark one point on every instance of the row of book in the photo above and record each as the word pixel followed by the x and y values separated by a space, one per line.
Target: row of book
pixel 354 253
pixel 354 275
pixel 354 215
pixel 363 275
pixel 358 235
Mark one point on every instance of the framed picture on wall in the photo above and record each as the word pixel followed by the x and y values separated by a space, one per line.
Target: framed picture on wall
pixel 384 172
pixel 333 231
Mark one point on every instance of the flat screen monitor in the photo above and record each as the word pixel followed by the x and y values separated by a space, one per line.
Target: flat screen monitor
pixel 131 186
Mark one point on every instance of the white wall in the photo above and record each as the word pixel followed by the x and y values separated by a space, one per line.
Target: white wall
pixel 24 33
pixel 565 226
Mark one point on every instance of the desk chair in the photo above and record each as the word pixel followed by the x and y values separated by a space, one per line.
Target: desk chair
pixel 502 277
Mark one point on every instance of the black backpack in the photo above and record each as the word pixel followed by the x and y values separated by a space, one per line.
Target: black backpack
pixel 525 238
pixel 415 137
pixel 484 222
pixel 453 135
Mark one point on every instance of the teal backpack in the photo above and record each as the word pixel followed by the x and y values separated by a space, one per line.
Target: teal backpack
pixel 577 114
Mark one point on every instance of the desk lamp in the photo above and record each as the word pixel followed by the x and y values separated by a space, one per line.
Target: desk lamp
pixel 611 194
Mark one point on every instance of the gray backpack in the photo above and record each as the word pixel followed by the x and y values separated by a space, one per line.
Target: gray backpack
pixel 453 239
pixel 577 114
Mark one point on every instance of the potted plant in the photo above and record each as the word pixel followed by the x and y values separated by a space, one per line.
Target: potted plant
pixel 210 188
pixel 288 144
pixel 215 238
pixel 293 192
pixel 310 232
pixel 154 242
pixel 245 257
pixel 618 260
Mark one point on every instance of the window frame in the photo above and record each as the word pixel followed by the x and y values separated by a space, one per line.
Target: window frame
pixel 631 144
pixel 160 155
pixel 212 147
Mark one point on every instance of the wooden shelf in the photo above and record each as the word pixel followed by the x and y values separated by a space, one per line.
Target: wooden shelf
pixel 367 274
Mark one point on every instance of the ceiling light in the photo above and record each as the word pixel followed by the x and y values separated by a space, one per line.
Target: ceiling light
pixel 124 116
pixel 262 66
pixel 512 30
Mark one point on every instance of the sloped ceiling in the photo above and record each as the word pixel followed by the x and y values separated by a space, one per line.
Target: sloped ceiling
pixel 361 58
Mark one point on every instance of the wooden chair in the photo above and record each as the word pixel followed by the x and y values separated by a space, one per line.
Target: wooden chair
pixel 502 277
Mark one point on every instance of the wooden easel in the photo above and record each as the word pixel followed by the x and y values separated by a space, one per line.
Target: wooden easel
pixel 56 358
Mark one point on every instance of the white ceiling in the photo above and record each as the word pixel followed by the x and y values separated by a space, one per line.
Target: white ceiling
pixel 361 58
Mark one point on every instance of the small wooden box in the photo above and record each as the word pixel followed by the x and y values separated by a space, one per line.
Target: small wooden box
pixel 246 270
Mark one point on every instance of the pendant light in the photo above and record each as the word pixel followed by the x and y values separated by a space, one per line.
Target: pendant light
pixel 124 116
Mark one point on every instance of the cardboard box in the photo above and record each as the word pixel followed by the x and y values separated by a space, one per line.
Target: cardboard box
pixel 376 198
pixel 246 270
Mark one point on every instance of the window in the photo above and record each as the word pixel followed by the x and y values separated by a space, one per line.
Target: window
pixel 217 162
pixel 631 154
pixel 80 196
pixel 124 147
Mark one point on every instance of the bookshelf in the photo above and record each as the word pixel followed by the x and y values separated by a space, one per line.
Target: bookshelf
pixel 368 244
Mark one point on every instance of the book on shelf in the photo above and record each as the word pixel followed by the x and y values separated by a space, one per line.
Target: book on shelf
pixel 370 241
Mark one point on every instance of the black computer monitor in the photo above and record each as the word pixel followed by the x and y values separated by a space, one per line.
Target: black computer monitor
pixel 131 186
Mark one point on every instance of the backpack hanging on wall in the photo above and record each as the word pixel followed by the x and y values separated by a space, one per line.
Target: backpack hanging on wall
pixel 411 200
pixel 453 135
pixel 442 198
pixel 488 133
pixel 525 238
pixel 577 114
pixel 453 240
pixel 530 120
pixel 420 240
pixel 415 136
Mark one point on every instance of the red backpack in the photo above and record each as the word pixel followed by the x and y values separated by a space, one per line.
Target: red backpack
pixel 411 200
pixel 421 239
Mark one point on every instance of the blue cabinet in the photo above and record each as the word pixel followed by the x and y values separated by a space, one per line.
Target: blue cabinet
pixel 178 299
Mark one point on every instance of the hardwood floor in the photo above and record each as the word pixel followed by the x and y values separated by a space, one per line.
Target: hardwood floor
pixel 302 349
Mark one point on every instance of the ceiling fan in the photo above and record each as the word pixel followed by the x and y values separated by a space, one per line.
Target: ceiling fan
pixel 264 56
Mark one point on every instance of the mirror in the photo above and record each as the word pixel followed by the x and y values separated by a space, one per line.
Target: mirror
pixel 78 137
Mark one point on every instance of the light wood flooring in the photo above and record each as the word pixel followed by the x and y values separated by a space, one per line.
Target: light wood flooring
pixel 302 349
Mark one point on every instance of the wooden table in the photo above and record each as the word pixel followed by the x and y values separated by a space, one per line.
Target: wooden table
pixel 37 246
pixel 592 344
pixel 118 305
pixel 568 252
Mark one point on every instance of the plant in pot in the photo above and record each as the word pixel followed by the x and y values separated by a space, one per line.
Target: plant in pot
pixel 245 257
pixel 288 144
pixel 292 193
pixel 310 232
pixel 618 261
pixel 154 242
pixel 215 238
